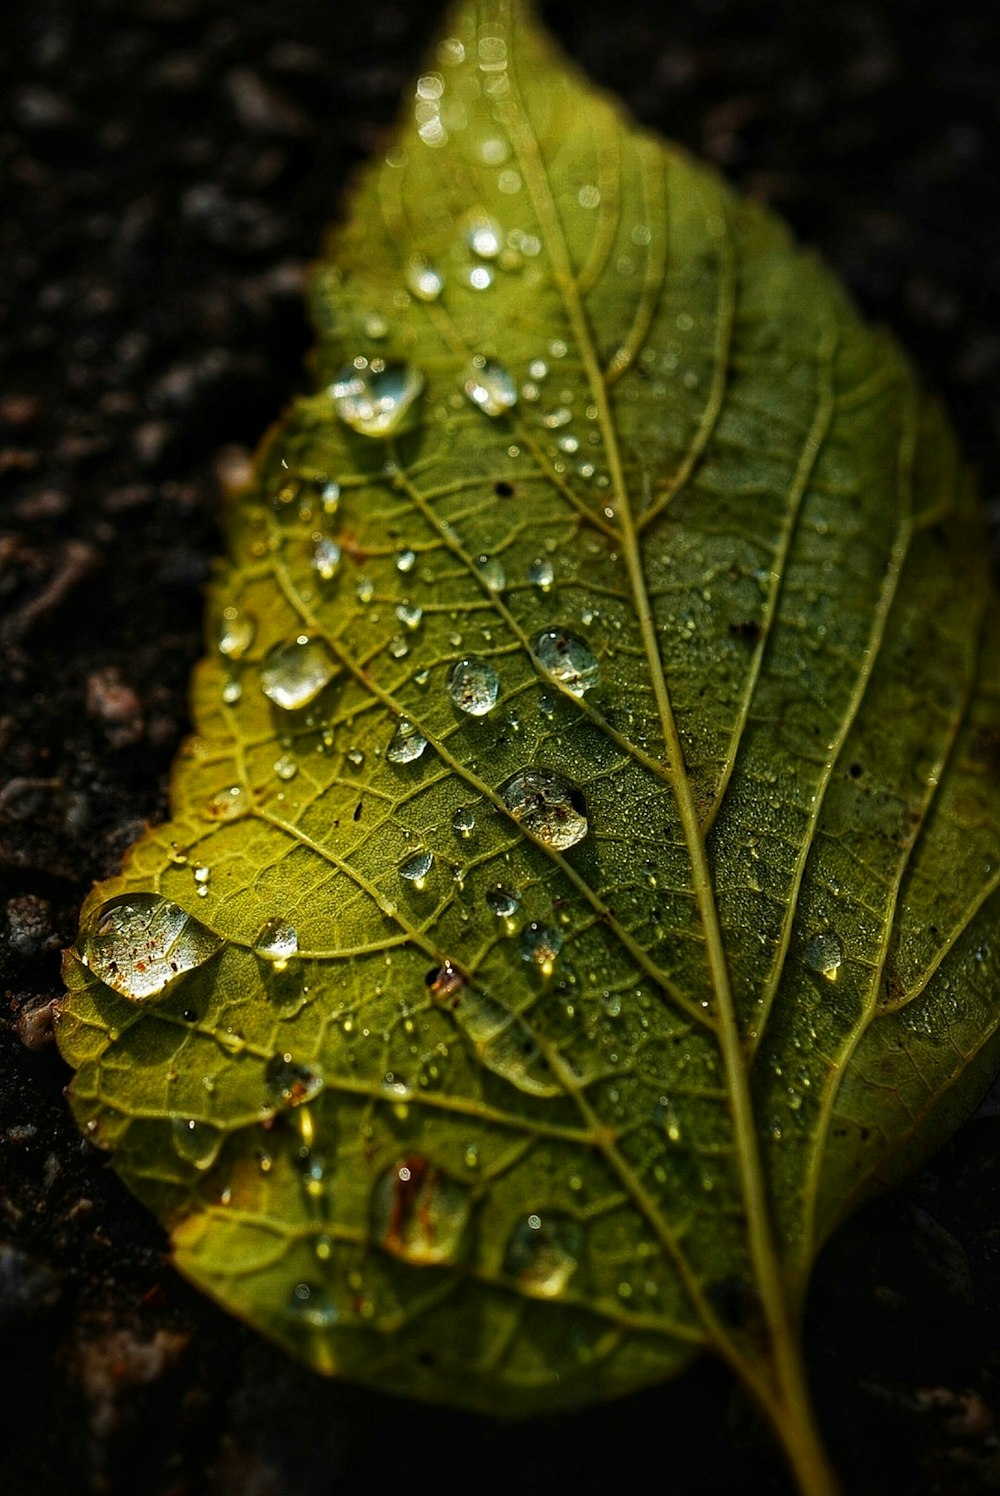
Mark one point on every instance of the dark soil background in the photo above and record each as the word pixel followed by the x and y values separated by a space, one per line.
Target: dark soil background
pixel 166 170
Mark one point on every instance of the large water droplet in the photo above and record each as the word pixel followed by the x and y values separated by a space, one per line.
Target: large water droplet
pixel 278 942
pixel 501 901
pixel 416 868
pixel 544 1252
pixel 473 685
pixel 236 631
pixel 418 1212
pixel 376 403
pixel 294 673
pixel 541 944
pixel 289 1082
pixel 566 658
pixel 491 572
pixel 140 942
pixel 490 387
pixel 548 805
pixel 197 1143
pixel 407 744
pixel 824 954
pixel 423 280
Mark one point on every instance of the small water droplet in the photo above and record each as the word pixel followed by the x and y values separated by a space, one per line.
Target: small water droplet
pixel 277 942
pixel 501 901
pixel 824 954
pixel 556 418
pixel 197 1143
pixel 589 196
pixel 445 980
pixel 289 1082
pixel 376 403
pixel 541 944
pixel 542 574
pixel 326 557
pixel 236 633
pixel 229 803
pixel 548 805
pixel 405 560
pixel 566 658
pixel 310 1305
pixel 294 673
pixel 418 1212
pixel 407 744
pixel 330 497
pixel 463 821
pixel 416 868
pixel 138 943
pixel 473 685
pixel 409 614
pixel 484 236
pixel 490 386
pixel 356 757
pixel 543 1252
pixel 491 572
pixel 423 280
pixel 479 278
pixel 232 691
pixel 286 767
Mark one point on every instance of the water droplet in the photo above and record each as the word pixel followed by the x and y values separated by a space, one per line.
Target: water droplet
pixel 445 980
pixel 490 386
pixel 824 955
pixel 326 557
pixel 229 803
pixel 548 805
pixel 311 1305
pixel 405 560
pixel 418 1212
pixel 197 1143
pixel 407 744
pixel 231 692
pixel 484 236
pixel 409 614
pixel 567 659
pixel 286 767
pixel 589 196
pixel 356 757
pixel 330 497
pixel 557 418
pixel 278 941
pixel 376 403
pixel 541 944
pixel 480 278
pixel 416 868
pixel 543 1252
pixel 290 1083
pixel 463 821
pixel 542 574
pixel 423 280
pixel 538 368
pixel 376 327
pixel 473 685
pixel 138 943
pixel 236 632
pixel 491 571
pixel 501 901
pixel 294 673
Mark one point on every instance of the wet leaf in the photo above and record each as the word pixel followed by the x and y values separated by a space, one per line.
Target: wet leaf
pixel 582 888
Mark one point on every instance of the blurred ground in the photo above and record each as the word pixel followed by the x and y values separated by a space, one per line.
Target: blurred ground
pixel 167 167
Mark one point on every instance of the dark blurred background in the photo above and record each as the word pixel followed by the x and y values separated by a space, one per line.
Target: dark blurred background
pixel 166 170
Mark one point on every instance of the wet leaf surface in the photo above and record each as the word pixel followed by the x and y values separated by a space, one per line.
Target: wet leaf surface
pixel 693 640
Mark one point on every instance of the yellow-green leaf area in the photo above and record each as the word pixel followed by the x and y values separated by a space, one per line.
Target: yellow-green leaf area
pixel 593 815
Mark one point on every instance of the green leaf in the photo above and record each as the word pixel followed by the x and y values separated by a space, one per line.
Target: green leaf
pixel 583 887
